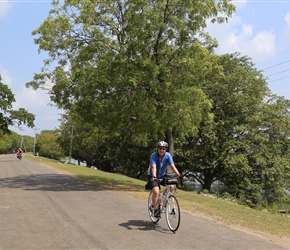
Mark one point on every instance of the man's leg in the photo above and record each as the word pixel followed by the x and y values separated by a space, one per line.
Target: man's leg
pixel 172 188
pixel 155 194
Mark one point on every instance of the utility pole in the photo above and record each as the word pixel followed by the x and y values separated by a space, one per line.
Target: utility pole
pixel 71 143
pixel 22 145
pixel 34 141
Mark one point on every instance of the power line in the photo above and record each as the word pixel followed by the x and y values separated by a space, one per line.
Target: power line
pixel 276 65
pixel 279 79
pixel 278 72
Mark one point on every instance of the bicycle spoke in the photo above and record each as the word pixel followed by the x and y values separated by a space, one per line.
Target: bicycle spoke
pixel 172 213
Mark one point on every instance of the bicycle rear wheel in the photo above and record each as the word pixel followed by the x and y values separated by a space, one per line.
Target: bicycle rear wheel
pixel 151 209
pixel 172 213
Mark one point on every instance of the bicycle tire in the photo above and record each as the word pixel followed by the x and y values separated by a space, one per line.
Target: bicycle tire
pixel 172 213
pixel 151 209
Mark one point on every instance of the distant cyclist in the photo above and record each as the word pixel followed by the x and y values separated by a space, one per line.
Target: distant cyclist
pixel 159 162
pixel 19 152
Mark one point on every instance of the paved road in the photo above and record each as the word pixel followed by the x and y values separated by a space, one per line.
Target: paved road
pixel 41 208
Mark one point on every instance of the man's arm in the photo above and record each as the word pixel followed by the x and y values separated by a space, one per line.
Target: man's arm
pixel 174 169
pixel 153 171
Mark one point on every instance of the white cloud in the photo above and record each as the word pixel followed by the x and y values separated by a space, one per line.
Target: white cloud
pixel 286 34
pixel 262 45
pixel 31 99
pixel 287 19
pixel 37 103
pixel 236 36
pixel 4 7
pixel 247 30
pixel 6 78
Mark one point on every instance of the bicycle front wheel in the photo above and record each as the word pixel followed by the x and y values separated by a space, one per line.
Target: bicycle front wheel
pixel 172 213
pixel 151 209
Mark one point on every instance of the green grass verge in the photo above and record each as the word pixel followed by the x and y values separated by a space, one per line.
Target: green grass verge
pixel 209 206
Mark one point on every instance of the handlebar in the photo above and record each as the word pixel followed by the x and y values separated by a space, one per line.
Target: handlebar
pixel 171 177
pixel 180 178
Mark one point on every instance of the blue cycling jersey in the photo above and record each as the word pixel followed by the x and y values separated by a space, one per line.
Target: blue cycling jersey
pixel 161 166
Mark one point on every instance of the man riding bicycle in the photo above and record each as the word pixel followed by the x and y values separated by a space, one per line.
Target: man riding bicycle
pixel 19 154
pixel 159 162
pixel 19 151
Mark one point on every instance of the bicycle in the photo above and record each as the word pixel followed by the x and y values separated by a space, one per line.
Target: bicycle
pixel 168 204
pixel 19 156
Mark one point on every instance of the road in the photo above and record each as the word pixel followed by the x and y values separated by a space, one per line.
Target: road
pixel 41 208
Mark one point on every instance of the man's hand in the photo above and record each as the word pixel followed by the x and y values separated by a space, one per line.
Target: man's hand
pixel 182 177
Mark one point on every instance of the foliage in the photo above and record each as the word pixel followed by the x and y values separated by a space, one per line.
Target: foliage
pixel 247 144
pixel 8 116
pixel 9 142
pixel 80 139
pixel 132 69
pixel 89 145
pixel 48 146
pixel 27 143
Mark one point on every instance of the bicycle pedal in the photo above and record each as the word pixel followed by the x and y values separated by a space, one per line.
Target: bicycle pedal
pixel 157 214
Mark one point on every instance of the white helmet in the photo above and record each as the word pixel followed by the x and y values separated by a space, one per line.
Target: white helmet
pixel 162 144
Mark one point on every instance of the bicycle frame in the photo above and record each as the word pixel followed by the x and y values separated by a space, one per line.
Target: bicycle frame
pixel 163 197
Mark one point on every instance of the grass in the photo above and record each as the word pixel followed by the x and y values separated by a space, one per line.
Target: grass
pixel 204 205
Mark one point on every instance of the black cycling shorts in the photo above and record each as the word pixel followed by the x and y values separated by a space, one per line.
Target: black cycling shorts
pixel 154 183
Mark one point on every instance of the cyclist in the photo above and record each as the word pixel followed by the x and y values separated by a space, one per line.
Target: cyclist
pixel 159 163
pixel 19 152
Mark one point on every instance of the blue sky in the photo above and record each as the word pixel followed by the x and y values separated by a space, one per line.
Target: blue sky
pixel 259 29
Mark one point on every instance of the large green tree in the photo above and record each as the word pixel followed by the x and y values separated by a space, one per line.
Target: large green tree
pixel 246 145
pixel 133 68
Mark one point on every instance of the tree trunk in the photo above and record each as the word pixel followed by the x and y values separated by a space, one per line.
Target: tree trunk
pixel 169 139
pixel 207 179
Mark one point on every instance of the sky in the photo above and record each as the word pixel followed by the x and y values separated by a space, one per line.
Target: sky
pixel 258 29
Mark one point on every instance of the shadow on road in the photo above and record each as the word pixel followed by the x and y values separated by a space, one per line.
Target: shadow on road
pixel 143 226
pixel 47 182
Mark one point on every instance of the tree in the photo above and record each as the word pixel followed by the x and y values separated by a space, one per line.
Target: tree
pixel 8 116
pixel 28 143
pixel 246 146
pixel 268 153
pixel 48 146
pixel 9 142
pixel 132 68
pixel 85 143
pixel 77 138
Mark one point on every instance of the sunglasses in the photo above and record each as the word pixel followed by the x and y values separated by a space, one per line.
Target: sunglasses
pixel 162 148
